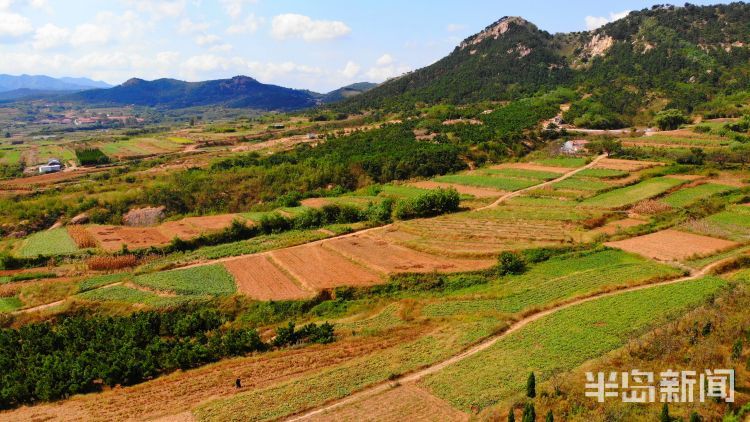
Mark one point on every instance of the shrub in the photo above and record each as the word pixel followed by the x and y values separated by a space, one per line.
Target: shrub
pixel 310 333
pixel 510 263
pixel 670 119
pixel 430 204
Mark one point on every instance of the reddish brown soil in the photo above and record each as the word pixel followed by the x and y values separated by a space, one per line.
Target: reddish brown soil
pixel 672 245
pixel 318 268
pixel 260 279
pixel 462 189
pixel 402 403
pixel 111 238
pixel 389 258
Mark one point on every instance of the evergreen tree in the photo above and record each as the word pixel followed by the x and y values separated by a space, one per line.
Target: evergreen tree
pixel 550 417
pixel 695 417
pixel 511 416
pixel 529 413
pixel 665 414
pixel 531 386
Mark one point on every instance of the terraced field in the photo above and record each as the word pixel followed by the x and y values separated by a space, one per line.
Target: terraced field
pixel 629 195
pixel 48 242
pixel 732 224
pixel 203 280
pixel 691 195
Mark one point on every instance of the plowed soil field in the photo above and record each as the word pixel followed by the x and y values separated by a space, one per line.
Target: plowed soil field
pixel 257 277
pixel 672 245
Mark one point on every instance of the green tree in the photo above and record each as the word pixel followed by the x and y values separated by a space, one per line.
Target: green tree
pixel 529 413
pixel 510 263
pixel 665 414
pixel 695 417
pixel 550 417
pixel 511 416
pixel 531 386
pixel 670 119
pixel 7 134
pixel 737 350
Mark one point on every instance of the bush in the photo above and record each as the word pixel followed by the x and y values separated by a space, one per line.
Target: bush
pixel 510 263
pixel 310 333
pixel 670 119
pixel 430 204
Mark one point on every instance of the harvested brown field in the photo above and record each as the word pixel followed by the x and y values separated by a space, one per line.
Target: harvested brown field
pixel 82 237
pixel 401 403
pixel 389 258
pixel 625 165
pixel 319 268
pixel 476 192
pixel 650 207
pixel 111 263
pixel 315 202
pixel 256 276
pixel 531 166
pixel 673 245
pixel 111 238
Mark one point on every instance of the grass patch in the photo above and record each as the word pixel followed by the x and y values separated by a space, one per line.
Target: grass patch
pixel 205 280
pixel 582 184
pixel 100 281
pixel 501 183
pixel 129 295
pixel 48 242
pixel 401 191
pixel 563 341
pixel 10 304
pixel 631 194
pixel 689 196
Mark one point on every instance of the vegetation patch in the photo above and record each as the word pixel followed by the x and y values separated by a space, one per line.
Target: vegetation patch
pixel 688 196
pixel 631 194
pixel 10 304
pixel 48 242
pixel 203 280
pixel 91 157
pixel 501 183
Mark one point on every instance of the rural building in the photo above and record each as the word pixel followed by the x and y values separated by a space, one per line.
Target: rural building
pixel 52 166
pixel 278 126
pixel 574 147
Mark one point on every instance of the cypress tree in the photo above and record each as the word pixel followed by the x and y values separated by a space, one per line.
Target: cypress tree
pixel 695 417
pixel 665 414
pixel 550 417
pixel 531 386
pixel 511 416
pixel 529 413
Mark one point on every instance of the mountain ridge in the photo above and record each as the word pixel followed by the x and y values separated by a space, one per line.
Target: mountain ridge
pixel 47 83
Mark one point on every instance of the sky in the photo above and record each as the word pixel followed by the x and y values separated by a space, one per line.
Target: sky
pixel 311 44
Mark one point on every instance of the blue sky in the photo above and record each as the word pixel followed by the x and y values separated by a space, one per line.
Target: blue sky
pixel 313 44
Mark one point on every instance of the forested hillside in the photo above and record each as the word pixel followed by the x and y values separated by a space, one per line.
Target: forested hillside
pixel 690 58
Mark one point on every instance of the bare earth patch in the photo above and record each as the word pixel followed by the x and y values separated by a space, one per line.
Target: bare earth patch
pixel 672 245
pixel 402 403
pixel 111 238
pixel 319 268
pixel 613 226
pixel 260 279
pixel 462 189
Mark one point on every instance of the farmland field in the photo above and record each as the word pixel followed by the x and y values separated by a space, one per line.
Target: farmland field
pixel 500 183
pixel 569 162
pixel 101 280
pixel 48 242
pixel 732 224
pixel 562 341
pixel 205 280
pixel 673 245
pixel 688 196
pixel 631 194
pixel 9 304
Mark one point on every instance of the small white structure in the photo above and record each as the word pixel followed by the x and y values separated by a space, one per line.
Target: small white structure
pixel 53 166
pixel 574 147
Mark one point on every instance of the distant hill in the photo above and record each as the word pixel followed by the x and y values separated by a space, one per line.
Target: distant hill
pixel 31 94
pixel 47 83
pixel 665 56
pixel 347 92
pixel 238 92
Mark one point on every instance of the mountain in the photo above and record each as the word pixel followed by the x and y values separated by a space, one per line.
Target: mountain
pixel 31 94
pixel 240 91
pixel 679 57
pixel 47 83
pixel 347 92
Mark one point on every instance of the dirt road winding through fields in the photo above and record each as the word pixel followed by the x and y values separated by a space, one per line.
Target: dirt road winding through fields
pixel 487 343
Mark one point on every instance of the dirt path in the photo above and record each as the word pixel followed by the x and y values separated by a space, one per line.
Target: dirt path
pixel 541 185
pixel 484 345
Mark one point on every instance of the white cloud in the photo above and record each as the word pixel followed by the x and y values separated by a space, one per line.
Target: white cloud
pixel 350 70
pixel 90 34
pixel 384 60
pixel 594 22
pixel 225 47
pixel 292 25
pixel 159 9
pixel 234 7
pixel 14 25
pixel 248 26
pixel 41 5
pixel 187 26
pixel 207 39
pixel 454 27
pixel 50 36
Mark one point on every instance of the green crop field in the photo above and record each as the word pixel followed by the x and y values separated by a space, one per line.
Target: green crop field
pixel 582 184
pixel 521 173
pixel 732 223
pixel 703 141
pixel 10 304
pixel 102 280
pixel 48 242
pixel 555 280
pixel 562 341
pixel 603 173
pixel 631 194
pixel 689 196
pixel 501 183
pixel 570 162
pixel 401 191
pixel 204 280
